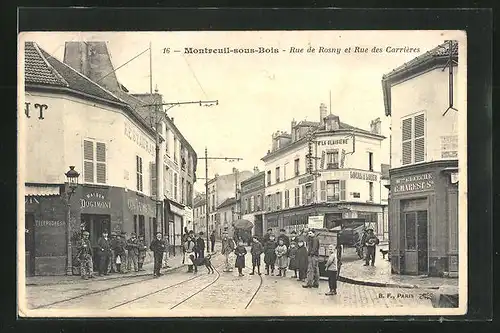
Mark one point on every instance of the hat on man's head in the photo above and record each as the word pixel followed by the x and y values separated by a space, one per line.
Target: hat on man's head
pixel 86 232
pixel 201 233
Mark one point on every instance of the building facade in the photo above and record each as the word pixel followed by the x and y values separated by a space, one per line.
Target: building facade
pixel 252 201
pixel 328 170
pixel 423 204
pixel 199 212
pixel 221 188
pixel 69 119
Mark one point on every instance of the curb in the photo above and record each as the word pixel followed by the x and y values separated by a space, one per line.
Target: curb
pixel 383 285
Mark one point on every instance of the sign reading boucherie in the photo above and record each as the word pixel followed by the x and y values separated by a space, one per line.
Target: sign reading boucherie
pixel 414 183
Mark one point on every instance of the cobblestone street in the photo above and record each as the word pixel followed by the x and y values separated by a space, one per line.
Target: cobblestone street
pixel 180 290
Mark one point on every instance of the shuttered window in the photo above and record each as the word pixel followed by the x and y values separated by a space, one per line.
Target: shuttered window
pixel 297 196
pixel 342 190
pixel 342 159
pixel 287 198
pixel 94 162
pixel 153 179
pixel 323 191
pixel 296 167
pixel 322 163
pixel 303 194
pixel 413 139
pixel 138 160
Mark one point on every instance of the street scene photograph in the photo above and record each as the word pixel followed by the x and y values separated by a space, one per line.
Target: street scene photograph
pixel 242 173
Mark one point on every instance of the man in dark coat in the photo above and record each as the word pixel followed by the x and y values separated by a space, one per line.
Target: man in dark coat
pixel 212 241
pixel 266 236
pixel 200 245
pixel 158 247
pixel 313 264
pixel 371 243
pixel 104 253
pixel 133 252
pixel 301 260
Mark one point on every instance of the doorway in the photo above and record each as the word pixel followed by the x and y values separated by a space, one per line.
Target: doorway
pixel 29 244
pixel 415 223
pixel 95 225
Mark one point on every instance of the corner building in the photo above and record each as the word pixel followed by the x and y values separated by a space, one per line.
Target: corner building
pixel 423 204
pixel 346 177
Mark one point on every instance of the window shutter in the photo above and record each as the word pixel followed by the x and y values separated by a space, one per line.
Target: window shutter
pixel 303 194
pixel 342 159
pixel 88 161
pixel 323 157
pixel 342 190
pixel 406 140
pixel 153 179
pixel 419 138
pixel 100 162
pixel 323 190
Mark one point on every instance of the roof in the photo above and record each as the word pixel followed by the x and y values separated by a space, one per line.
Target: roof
pixel 227 202
pixel 437 55
pixel 252 178
pixel 42 68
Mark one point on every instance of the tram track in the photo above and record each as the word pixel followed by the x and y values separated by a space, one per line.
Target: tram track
pixel 255 293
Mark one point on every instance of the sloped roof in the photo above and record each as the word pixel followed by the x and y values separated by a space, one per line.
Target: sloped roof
pixel 227 202
pixel 42 68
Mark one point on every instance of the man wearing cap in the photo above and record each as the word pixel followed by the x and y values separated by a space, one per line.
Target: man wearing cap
pixel 85 255
pixel 104 253
pixel 158 247
pixel 120 253
pixel 313 265
pixel 200 245
pixel 112 257
pixel 370 243
pixel 133 252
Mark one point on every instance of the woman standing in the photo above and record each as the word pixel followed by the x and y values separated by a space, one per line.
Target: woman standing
pixel 240 252
pixel 188 250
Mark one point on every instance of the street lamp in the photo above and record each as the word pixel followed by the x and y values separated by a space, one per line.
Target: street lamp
pixel 71 185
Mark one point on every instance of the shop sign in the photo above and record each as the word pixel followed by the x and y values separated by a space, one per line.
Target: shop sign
pixel 333 142
pixel 95 200
pixel 316 222
pixel 188 214
pixel 139 139
pixel 306 179
pixel 415 183
pixel 363 176
pixel 31 200
pixel 49 223
pixel 140 208
pixel 40 107
pixel 176 210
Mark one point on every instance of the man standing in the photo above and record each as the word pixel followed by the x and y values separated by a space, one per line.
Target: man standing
pixel 142 247
pixel 158 247
pixel 200 245
pixel 104 248
pixel 112 257
pixel 228 247
pixel 371 243
pixel 166 254
pixel 313 267
pixel 122 244
pixel 212 241
pixel 133 252
pixel 85 255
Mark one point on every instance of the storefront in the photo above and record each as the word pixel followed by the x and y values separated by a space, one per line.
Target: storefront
pixel 140 215
pixel 174 216
pixel 423 213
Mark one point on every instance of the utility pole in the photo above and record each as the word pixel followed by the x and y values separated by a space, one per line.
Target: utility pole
pixel 206 158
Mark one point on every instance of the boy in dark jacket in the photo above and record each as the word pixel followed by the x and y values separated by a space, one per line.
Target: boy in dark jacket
pixel 292 253
pixel 256 252
pixel 301 260
pixel 270 254
pixel 158 247
pixel 240 252
pixel 200 246
pixel 104 253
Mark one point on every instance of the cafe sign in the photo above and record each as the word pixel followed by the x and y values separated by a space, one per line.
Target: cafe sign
pixel 95 200
pixel 334 142
pixel 414 183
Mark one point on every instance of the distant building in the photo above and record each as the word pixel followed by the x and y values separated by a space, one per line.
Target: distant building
pixel 252 200
pixel 227 212
pixel 199 212
pixel 424 163
pixel 328 170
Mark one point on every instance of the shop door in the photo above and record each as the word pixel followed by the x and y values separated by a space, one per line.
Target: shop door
pixel 258 229
pixel 416 254
pixel 29 244
pixel 95 225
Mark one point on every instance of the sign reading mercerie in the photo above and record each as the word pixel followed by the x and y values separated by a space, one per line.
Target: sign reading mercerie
pixel 414 183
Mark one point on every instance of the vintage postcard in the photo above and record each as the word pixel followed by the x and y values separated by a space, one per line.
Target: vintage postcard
pixel 249 173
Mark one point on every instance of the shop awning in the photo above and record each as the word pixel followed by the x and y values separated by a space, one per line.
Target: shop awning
pixel 39 190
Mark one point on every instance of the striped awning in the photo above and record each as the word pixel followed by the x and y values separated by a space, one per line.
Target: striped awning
pixel 37 190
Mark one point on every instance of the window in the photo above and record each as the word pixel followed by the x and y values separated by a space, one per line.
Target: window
pixel 308 194
pixel 330 190
pixel 94 162
pixel 139 173
pixel 297 196
pixel 413 139
pixel 370 161
pixel 269 178
pixel 213 202
pixel 278 200
pixel 287 198
pixel 252 204
pixel 259 202
pixel 154 186
pixel 189 191
pixel 268 203
pixel 225 216
pixel 183 192
pixel 332 160
pixel 167 134
pixel 370 191
pixel 342 190
pixel 175 149
pixel 284 171
pixel 296 166
pixel 246 205
pixel 175 187
pixel 277 174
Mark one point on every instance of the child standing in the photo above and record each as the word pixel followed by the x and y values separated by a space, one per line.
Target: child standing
pixel 281 252
pixel 270 254
pixel 256 251
pixel 240 252
pixel 331 269
pixel 293 262
pixel 301 260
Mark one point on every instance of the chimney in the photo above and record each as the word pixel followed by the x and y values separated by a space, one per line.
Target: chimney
pixel 376 126
pixel 293 124
pixel 235 170
pixel 322 113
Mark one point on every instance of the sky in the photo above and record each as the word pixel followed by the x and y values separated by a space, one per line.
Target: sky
pixel 258 94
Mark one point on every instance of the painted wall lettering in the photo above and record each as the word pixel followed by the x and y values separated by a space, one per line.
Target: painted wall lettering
pixel 141 208
pixel 31 200
pixel 413 183
pixel 40 107
pixel 363 175
pixel 49 223
pixel 333 142
pixel 139 139
pixel 97 200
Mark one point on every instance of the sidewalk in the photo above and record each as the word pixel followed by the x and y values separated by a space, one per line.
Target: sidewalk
pixel 354 272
